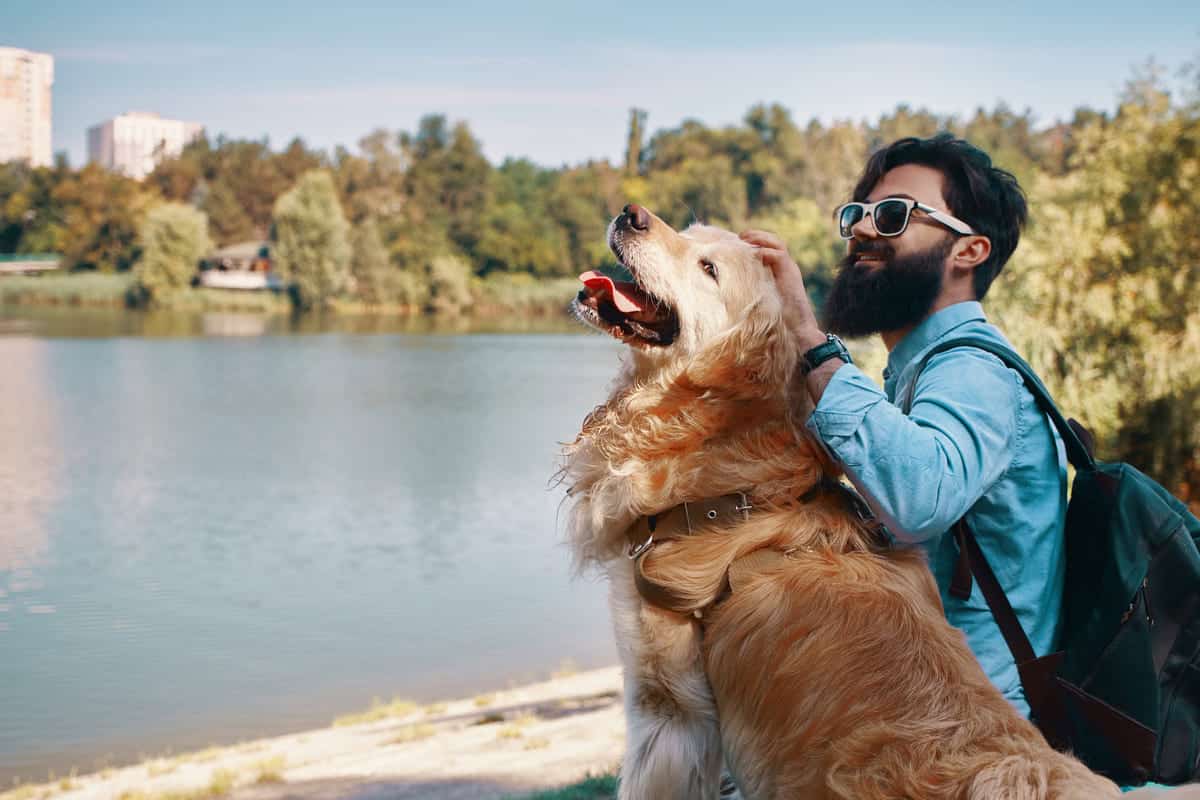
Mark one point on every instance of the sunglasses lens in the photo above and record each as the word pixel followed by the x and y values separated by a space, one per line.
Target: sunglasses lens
pixel 890 216
pixel 849 217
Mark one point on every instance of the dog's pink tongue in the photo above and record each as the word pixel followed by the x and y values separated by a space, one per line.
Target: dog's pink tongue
pixel 625 303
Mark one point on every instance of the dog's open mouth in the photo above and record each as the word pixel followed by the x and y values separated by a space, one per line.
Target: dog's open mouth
pixel 625 310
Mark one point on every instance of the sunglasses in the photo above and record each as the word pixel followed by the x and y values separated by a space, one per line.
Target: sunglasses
pixel 891 215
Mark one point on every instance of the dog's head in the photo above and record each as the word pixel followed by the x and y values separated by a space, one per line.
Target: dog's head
pixel 705 405
pixel 692 292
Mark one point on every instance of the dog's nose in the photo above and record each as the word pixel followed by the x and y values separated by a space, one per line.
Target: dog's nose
pixel 639 217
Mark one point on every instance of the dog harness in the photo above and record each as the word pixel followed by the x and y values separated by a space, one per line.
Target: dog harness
pixel 718 513
pixel 685 519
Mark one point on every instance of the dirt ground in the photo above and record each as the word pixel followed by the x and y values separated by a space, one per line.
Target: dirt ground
pixel 512 742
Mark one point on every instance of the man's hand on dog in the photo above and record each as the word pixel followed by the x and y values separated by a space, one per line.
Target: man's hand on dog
pixel 798 311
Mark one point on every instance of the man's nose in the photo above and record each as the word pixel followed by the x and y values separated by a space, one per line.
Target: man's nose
pixel 864 228
pixel 638 217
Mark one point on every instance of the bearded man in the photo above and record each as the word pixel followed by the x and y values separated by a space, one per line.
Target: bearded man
pixel 931 224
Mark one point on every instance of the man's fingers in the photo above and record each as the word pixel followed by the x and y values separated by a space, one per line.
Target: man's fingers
pixel 762 239
pixel 776 259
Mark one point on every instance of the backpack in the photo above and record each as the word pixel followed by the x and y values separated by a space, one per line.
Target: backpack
pixel 1123 691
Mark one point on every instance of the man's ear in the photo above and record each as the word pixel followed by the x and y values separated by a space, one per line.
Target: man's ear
pixel 970 251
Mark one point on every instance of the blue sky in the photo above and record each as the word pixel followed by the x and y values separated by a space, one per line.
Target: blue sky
pixel 554 81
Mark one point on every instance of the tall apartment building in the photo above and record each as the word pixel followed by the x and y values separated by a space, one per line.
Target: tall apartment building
pixel 135 142
pixel 26 79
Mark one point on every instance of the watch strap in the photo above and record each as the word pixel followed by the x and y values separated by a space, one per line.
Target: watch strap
pixel 832 348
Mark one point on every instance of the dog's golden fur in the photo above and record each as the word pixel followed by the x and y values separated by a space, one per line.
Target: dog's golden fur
pixel 834 670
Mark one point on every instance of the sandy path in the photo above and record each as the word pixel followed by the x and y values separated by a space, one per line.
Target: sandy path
pixel 534 737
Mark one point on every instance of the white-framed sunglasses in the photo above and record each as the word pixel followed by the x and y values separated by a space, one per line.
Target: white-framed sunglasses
pixel 891 215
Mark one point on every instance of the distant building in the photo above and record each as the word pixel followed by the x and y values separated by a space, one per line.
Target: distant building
pixel 135 142
pixel 26 79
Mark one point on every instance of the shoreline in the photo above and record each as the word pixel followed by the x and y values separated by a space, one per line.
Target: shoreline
pixel 494 745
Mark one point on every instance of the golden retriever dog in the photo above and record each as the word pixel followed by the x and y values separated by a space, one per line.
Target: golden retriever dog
pixel 774 632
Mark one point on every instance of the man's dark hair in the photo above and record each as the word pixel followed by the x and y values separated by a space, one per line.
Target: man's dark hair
pixel 985 197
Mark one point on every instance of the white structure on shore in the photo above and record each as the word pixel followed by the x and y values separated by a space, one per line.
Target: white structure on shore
pixel 135 142
pixel 26 79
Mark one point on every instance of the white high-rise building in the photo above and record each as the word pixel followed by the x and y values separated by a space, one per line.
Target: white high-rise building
pixel 26 79
pixel 135 142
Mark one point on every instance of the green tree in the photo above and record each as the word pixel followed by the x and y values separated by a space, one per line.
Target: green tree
pixel 311 248
pixel 174 237
pixel 447 180
pixel 904 121
pixel 100 214
pixel 519 232
pixel 633 143
pixel 230 222
pixel 369 264
pixel 582 200
pixel 811 240
pixel 1102 293
pixel 449 284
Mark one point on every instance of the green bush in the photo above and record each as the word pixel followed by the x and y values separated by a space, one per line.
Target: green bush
pixel 173 238
pixel 311 246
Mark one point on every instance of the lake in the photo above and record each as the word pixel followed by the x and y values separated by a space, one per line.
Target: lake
pixel 218 527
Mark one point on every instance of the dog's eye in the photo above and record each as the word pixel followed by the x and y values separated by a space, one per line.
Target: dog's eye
pixel 709 267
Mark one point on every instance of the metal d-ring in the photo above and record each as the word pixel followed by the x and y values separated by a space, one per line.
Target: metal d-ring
pixel 636 550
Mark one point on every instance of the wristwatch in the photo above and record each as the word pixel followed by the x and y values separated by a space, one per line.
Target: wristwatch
pixel 833 348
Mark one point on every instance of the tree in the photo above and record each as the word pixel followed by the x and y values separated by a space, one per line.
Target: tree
pixel 100 214
pixel 230 223
pixel 311 248
pixel 1102 293
pixel 519 232
pixel 447 181
pixel 811 241
pixel 582 200
pixel 369 264
pixel 633 144
pixel 449 280
pixel 173 237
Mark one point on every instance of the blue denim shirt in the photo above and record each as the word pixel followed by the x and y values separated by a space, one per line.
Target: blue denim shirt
pixel 975 444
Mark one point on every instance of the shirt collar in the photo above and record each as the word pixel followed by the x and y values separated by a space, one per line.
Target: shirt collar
pixel 934 327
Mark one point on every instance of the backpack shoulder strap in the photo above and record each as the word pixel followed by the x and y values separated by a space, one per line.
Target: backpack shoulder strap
pixel 1077 452
pixel 971 561
pixel 1046 693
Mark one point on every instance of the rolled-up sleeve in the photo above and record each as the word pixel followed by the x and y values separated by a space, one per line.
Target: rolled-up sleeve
pixel 921 473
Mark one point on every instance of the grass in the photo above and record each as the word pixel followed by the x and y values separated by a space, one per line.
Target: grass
pixel 26 791
pixel 90 289
pixel 379 710
pixel 413 733
pixel 484 700
pixel 524 293
pixel 270 770
pixel 566 669
pixel 516 728
pixel 205 299
pixel 601 787
pixel 219 785
pixel 497 294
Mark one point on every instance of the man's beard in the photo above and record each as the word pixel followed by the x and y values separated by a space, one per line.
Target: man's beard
pixel 892 296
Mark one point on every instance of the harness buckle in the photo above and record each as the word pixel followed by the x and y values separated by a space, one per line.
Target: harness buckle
pixel 636 550
pixel 745 506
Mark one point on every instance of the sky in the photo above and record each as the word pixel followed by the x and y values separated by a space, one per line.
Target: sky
pixel 554 81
